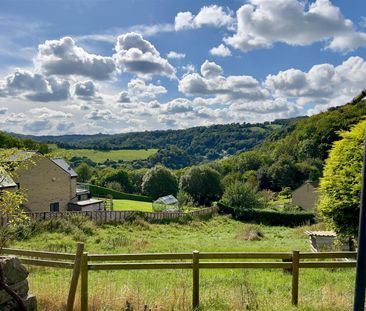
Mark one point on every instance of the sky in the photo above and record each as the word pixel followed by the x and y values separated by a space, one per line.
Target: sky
pixel 110 66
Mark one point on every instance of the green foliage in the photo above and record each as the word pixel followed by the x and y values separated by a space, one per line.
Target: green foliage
pixel 98 190
pixel 158 182
pixel 197 142
pixel 172 157
pixel 270 217
pixel 297 150
pixel 8 141
pixel 114 185
pixel 340 187
pixel 84 172
pixel 117 175
pixel 240 197
pixel 202 183
pixel 185 200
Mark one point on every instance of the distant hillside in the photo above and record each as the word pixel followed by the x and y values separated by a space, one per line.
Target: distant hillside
pixel 9 141
pixel 210 142
pixel 296 152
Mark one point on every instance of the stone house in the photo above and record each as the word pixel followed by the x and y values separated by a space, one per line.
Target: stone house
pixel 306 195
pixel 50 185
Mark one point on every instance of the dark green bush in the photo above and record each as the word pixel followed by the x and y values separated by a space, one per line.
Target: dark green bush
pixel 270 217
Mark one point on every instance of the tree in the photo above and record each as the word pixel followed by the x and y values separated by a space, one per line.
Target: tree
pixel 202 183
pixel 84 172
pixel 340 187
pixel 10 207
pixel 241 196
pixel 158 182
pixel 119 175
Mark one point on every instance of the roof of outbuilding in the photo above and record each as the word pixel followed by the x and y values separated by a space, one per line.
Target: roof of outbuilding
pixel 65 166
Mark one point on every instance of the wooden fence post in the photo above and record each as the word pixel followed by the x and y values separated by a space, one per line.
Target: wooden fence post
pixel 295 277
pixel 84 283
pixel 196 280
pixel 75 276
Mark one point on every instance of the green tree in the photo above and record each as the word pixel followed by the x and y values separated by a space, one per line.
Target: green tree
pixel 119 175
pixel 340 187
pixel 84 172
pixel 158 182
pixel 241 196
pixel 202 183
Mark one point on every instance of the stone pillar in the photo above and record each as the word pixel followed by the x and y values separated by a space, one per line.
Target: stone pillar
pixel 15 275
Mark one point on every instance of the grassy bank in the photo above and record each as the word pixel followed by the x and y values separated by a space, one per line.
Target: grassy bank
pixel 320 289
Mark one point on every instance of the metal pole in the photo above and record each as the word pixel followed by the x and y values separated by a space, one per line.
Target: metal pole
pixel 359 301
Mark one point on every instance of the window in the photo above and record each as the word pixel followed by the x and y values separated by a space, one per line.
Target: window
pixel 55 207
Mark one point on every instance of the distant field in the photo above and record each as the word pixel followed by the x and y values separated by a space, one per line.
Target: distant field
pixel 99 156
pixel 128 205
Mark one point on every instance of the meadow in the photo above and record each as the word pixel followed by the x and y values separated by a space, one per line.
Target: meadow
pixel 256 289
pixel 99 156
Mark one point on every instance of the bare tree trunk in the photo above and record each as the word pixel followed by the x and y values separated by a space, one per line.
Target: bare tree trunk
pixel 12 293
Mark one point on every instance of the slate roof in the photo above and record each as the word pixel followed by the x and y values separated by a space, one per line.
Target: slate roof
pixel 65 166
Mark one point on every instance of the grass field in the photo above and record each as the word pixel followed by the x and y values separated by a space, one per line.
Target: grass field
pixel 128 205
pixel 256 289
pixel 99 156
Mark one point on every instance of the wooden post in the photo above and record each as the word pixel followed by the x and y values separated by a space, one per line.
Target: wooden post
pixel 84 283
pixel 196 280
pixel 295 278
pixel 75 276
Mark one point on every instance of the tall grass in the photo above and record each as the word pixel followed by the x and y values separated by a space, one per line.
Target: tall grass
pixel 231 289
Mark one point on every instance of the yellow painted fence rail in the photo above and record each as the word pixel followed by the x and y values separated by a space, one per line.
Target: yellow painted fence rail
pixel 82 263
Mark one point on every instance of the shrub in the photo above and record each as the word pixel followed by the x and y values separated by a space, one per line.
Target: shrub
pixel 114 185
pixel 340 187
pixel 185 200
pixel 241 197
pixel 271 217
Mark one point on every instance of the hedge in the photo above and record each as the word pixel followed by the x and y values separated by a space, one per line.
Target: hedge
pixel 270 217
pixel 97 190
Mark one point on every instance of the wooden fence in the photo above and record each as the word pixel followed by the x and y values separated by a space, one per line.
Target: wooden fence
pixel 83 263
pixel 103 217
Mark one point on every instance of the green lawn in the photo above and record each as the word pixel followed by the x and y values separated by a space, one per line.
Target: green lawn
pixel 229 289
pixel 99 156
pixel 128 205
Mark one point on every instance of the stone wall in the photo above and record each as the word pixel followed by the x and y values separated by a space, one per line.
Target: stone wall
pixel 15 275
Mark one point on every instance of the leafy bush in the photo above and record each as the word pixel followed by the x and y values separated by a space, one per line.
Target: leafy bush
pixel 185 200
pixel 241 197
pixel 340 187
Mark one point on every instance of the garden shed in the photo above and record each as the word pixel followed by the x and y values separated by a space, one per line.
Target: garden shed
pixel 168 202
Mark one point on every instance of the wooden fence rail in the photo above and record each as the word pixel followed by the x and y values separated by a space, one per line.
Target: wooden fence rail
pixel 82 263
pixel 103 217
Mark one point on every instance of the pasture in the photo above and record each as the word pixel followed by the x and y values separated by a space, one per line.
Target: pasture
pixel 262 289
pixel 99 156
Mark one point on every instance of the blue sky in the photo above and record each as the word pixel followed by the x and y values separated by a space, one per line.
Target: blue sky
pixel 88 66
